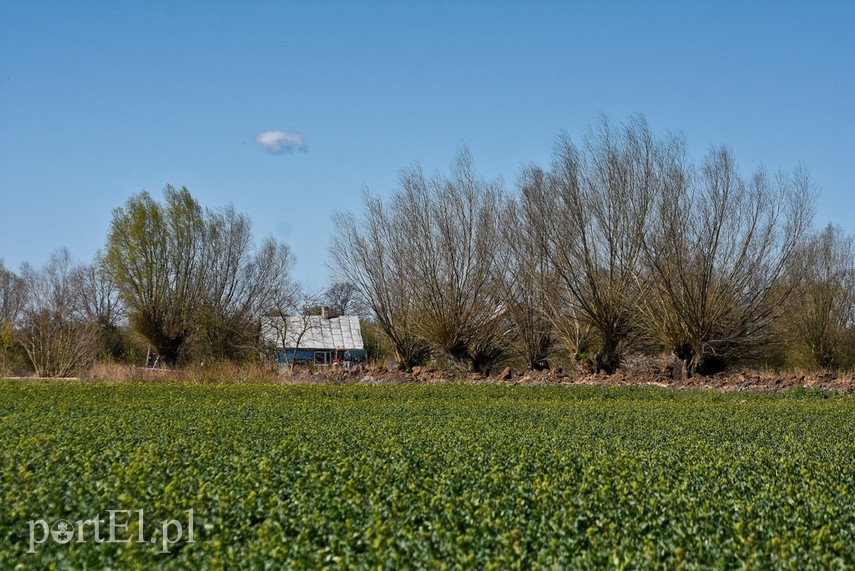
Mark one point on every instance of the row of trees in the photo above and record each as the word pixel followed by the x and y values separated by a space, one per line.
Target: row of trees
pixel 621 245
pixel 175 280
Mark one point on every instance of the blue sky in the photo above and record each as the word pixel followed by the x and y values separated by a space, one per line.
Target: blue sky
pixel 100 100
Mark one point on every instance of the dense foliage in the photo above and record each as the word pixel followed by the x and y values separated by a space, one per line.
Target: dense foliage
pixel 443 475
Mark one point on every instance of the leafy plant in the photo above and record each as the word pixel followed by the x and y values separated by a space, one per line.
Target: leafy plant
pixel 312 476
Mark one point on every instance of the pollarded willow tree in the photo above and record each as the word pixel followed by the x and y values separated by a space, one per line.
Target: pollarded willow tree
pixel 188 274
pixel 716 253
pixel 820 317
pixel 590 211
pixel 522 284
pixel 453 224
pixel 425 264
pixel 369 253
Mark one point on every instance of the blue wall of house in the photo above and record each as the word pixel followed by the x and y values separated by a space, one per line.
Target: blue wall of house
pixel 302 355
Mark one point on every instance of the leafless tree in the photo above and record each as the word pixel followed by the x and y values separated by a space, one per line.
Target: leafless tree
pixel 452 237
pixel 716 253
pixel 242 282
pixel 821 312
pixel 290 320
pixel 340 297
pixel 537 238
pixel 522 278
pixel 12 295
pixel 101 307
pixel 99 295
pixel 591 210
pixel 55 333
pixel 370 253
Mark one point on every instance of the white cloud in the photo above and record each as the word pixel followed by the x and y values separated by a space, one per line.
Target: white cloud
pixel 280 142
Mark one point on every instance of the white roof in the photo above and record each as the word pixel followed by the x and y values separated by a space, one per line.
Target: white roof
pixel 317 332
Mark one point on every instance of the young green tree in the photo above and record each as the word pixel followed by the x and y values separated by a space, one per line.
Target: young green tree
pixel 185 274
pixel 12 299
pixel 154 252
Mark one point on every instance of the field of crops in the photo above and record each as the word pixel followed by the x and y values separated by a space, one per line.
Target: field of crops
pixel 423 476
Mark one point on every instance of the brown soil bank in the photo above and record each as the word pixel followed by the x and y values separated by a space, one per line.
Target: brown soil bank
pixel 658 376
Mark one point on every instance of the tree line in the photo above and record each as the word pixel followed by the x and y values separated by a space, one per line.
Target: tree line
pixel 621 245
pixel 175 280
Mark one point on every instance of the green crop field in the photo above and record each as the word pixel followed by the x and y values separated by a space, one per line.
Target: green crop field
pixel 415 476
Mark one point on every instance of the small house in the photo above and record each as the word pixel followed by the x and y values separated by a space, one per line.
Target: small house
pixel 315 339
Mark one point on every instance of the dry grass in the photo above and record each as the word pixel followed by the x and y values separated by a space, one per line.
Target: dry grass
pixel 637 371
pixel 117 372
pixel 212 372
pixel 229 372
